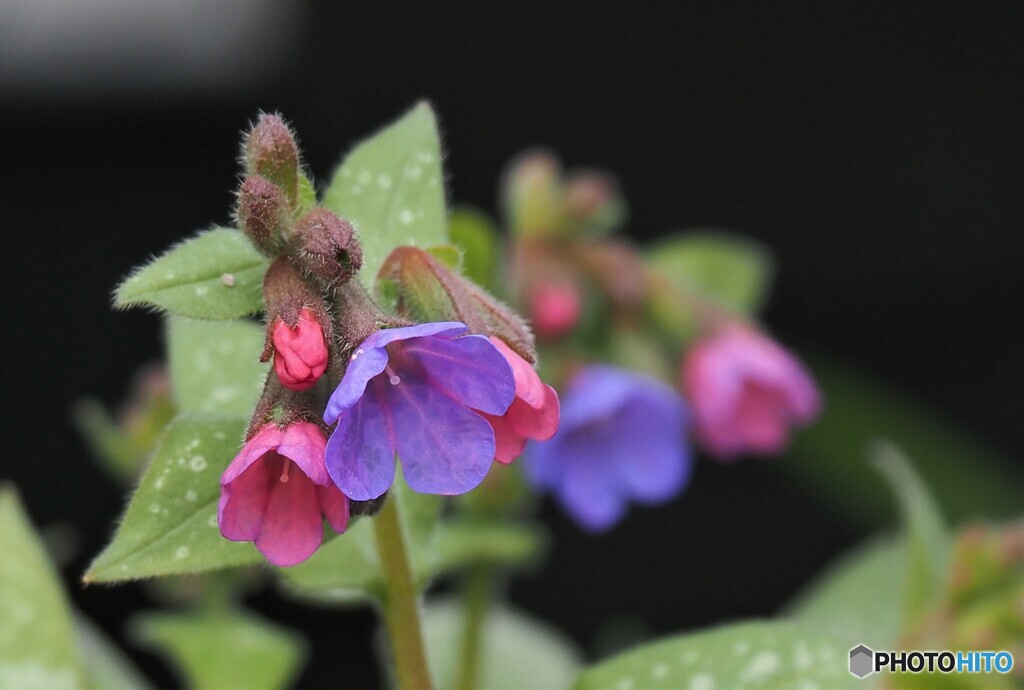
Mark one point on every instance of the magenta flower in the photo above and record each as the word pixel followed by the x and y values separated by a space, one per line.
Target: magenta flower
pixel 300 353
pixel 276 493
pixel 555 308
pixel 746 391
pixel 415 392
pixel 533 413
pixel 621 439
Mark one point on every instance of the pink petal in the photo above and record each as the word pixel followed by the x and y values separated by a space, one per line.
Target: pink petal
pixel 334 505
pixel 243 501
pixel 293 524
pixel 529 387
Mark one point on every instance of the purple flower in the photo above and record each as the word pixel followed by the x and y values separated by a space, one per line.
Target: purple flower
pixel 414 392
pixel 621 439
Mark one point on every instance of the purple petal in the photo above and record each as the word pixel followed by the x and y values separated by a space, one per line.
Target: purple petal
pixel 370 358
pixel 589 491
pixel 445 447
pixel 360 452
pixel 597 392
pixel 653 459
pixel 470 369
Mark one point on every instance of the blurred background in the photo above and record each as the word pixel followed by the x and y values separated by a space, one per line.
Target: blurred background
pixel 875 147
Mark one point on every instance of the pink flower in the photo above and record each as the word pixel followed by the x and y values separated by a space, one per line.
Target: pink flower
pixel 554 308
pixel 746 392
pixel 277 492
pixel 300 353
pixel 533 413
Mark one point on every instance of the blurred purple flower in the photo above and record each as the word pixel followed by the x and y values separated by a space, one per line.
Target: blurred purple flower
pixel 415 392
pixel 621 439
pixel 746 391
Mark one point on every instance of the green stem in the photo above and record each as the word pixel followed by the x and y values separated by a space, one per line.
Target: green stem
pixel 401 600
pixel 476 590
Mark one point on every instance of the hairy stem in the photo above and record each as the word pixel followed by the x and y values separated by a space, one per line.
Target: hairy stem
pixel 401 600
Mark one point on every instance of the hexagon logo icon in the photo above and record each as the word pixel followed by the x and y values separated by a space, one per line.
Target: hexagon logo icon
pixel 861 661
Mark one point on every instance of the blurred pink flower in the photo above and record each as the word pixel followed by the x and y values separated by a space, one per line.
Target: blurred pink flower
pixel 746 392
pixel 554 308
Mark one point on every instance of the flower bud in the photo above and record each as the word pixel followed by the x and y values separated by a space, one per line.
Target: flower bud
pixel 263 214
pixel 328 251
pixel 593 201
pixel 427 290
pixel 532 192
pixel 555 308
pixel 271 152
pixel 299 331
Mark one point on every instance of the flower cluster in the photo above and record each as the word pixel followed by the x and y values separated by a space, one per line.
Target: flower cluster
pixel 444 397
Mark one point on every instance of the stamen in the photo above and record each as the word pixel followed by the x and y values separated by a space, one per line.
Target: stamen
pixel 395 378
pixel 284 473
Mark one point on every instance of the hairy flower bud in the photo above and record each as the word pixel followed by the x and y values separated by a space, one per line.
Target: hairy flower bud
pixel 328 251
pixel 554 308
pixel 533 194
pixel 263 214
pixel 270 151
pixel 428 290
pixel 593 201
pixel 299 330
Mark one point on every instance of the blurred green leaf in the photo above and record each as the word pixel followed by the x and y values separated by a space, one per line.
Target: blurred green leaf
pixel 967 479
pixel 344 571
pixel 517 651
pixel 475 234
pixel 116 450
pixel 37 641
pixel 463 542
pixel 218 651
pixel 860 596
pixel 215 365
pixel 732 271
pixel 390 187
pixel 217 274
pixel 106 666
pixel 170 525
pixel 758 654
pixel 927 557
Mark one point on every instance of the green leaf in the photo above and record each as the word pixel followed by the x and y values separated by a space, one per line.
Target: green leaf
pixel 517 650
pixel 927 541
pixel 215 365
pixel 170 525
pixel 37 642
pixel 757 654
pixel 390 187
pixel 217 274
pixel 346 570
pixel 215 651
pixel 475 234
pixel 106 666
pixel 460 543
pixel 860 596
pixel 733 271
pixel 969 481
pixel 307 195
pixel 118 452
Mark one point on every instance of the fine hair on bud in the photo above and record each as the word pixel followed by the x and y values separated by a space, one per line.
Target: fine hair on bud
pixel 327 248
pixel 270 150
pixel 262 213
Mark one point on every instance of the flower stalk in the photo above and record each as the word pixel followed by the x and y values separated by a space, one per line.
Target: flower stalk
pixel 401 600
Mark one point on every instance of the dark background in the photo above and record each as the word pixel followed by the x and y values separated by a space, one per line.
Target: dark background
pixel 877 148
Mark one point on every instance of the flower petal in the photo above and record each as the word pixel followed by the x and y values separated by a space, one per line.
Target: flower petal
pixel 539 423
pixel 266 439
pixel 470 369
pixel 529 387
pixel 293 526
pixel 361 452
pixel 304 443
pixel 334 505
pixel 508 442
pixel 370 358
pixel 445 447
pixel 243 501
pixel 588 490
